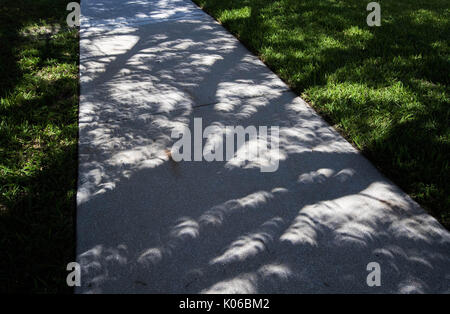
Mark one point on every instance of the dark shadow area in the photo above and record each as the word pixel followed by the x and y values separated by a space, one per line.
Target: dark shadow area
pixel 148 224
pixel 38 153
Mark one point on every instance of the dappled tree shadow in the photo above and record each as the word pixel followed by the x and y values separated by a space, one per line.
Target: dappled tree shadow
pixel 148 224
pixel 354 75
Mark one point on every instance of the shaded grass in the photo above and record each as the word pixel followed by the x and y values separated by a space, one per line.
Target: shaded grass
pixel 38 136
pixel 386 89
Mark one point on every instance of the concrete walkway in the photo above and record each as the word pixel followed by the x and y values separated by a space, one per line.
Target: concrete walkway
pixel 148 224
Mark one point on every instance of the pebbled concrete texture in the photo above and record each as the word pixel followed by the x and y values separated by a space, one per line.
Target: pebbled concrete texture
pixel 147 224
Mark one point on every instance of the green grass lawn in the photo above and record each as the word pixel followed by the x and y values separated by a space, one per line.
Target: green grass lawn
pixel 38 137
pixel 386 89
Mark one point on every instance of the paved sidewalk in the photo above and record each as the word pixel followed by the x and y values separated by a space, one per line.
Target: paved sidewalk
pixel 147 224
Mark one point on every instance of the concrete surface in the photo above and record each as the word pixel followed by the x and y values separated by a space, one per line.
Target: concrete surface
pixel 147 224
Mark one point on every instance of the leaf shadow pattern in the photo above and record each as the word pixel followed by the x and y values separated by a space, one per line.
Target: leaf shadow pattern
pixel 385 87
pixel 226 227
